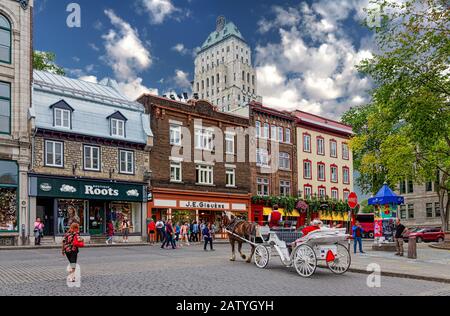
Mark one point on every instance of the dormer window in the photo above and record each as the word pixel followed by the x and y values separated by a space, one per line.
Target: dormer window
pixel 62 114
pixel 118 124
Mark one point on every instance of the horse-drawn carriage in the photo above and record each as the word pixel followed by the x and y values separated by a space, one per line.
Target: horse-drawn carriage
pixel 304 253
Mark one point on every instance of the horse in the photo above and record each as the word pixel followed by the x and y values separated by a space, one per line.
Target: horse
pixel 239 228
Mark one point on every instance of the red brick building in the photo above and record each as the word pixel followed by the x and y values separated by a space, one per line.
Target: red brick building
pixel 199 161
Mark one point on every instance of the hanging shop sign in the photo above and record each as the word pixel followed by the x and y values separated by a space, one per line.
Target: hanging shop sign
pixel 89 190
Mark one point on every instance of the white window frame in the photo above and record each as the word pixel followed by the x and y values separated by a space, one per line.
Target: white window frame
pixel 59 118
pixel 306 193
pixel 345 152
pixel 319 168
pixel 263 182
pixel 280 134
pixel 257 126
pixel 266 131
pixel 262 157
pixel 274 133
pixel 346 175
pixel 285 185
pixel 174 165
pixel 230 143
pixel 89 165
pixel 204 139
pixel 321 146
pixel 117 128
pixel 307 143
pixel 335 194
pixel 54 153
pixel 346 195
pixel 324 192
pixel 205 174
pixel 285 158
pixel 333 149
pixel 230 177
pixel 175 135
pixel 287 138
pixel 307 174
pixel 334 175
pixel 128 155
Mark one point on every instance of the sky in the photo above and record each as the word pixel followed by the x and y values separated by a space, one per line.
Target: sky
pixel 305 52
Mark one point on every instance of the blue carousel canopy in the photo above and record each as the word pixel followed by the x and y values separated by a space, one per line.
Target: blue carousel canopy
pixel 386 196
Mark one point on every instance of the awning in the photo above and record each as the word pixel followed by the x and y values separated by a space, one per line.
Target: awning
pixel 342 217
pixel 386 196
pixel 267 211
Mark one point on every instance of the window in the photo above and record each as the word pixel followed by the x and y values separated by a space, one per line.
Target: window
pixel 321 146
pixel 437 209
pixel 280 134
pixel 285 161
pixel 285 188
pixel 266 131
pixel 205 175
pixel 429 210
pixel 92 158
pixel 62 118
pixel 322 192
pixel 346 175
pixel 307 169
pixel 333 148
pixel 5 40
pixel 54 154
pixel 262 157
pixel 204 139
pixel 402 187
pixel 345 152
pixel 335 194
pixel 273 133
pixel 263 186
pixel 307 143
pixel 402 211
pixel 334 174
pixel 126 162
pixel 308 191
pixel 231 177
pixel 321 171
pixel 9 181
pixel 117 128
pixel 429 186
pixel 411 211
pixel 175 135
pixel 5 107
pixel 229 144
pixel 175 172
pixel 410 187
pixel 258 129
pixel 346 195
pixel 287 138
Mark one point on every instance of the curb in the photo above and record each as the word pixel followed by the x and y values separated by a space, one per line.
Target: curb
pixel 403 276
pixel 439 247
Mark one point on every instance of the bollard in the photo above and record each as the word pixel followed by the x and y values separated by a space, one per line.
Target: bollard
pixel 412 248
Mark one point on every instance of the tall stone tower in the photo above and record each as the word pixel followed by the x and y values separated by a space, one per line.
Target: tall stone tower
pixel 224 74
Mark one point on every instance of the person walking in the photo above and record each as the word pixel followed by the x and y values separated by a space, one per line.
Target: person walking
pixel 191 231
pixel 184 234
pixel 109 233
pixel 400 230
pixel 151 231
pixel 70 249
pixel 160 231
pixel 177 233
pixel 207 237
pixel 169 236
pixel 125 229
pixel 195 232
pixel 213 231
pixel 358 232
pixel 38 231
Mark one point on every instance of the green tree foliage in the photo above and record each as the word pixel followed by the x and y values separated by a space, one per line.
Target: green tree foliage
pixel 46 61
pixel 404 133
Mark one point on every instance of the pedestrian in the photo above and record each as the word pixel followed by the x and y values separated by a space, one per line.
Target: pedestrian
pixel 207 237
pixel 70 248
pixel 160 231
pixel 191 231
pixel 400 230
pixel 151 231
pixel 184 234
pixel 177 232
pixel 195 232
pixel 109 233
pixel 358 232
pixel 125 229
pixel 38 231
pixel 213 231
pixel 169 236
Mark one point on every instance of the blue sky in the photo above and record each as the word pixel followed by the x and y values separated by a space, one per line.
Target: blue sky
pixel 304 51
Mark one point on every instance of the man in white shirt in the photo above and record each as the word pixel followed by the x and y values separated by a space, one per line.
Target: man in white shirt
pixel 160 234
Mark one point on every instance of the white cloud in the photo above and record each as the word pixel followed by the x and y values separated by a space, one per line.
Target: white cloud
pixel 134 89
pixel 312 66
pixel 125 52
pixel 181 49
pixel 159 10
pixel 92 79
pixel 181 79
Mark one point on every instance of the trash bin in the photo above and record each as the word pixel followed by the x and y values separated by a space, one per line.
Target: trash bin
pixel 412 248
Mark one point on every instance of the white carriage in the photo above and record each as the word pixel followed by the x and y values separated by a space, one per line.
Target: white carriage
pixel 329 246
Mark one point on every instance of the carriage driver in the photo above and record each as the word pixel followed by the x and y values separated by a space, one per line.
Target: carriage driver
pixel 275 218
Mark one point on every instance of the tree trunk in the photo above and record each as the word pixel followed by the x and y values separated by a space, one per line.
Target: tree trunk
pixel 447 214
pixel 442 192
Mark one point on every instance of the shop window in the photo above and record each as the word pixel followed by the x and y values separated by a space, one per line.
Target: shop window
pixel 121 210
pixel 5 108
pixel 126 162
pixel 205 175
pixel 92 158
pixel 231 177
pixel 176 172
pixel 54 154
pixel 70 212
pixel 8 196
pixel 5 40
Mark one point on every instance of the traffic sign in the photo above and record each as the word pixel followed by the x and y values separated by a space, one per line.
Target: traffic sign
pixel 352 200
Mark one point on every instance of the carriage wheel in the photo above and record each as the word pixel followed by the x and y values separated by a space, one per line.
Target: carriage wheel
pixel 343 260
pixel 305 261
pixel 262 256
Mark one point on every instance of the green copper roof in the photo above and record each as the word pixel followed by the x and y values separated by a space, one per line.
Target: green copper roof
pixel 215 37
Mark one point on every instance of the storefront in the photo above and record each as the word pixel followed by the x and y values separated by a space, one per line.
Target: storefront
pixel 59 202
pixel 9 197
pixel 188 206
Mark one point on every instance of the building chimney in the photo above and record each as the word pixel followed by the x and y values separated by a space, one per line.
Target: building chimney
pixel 221 21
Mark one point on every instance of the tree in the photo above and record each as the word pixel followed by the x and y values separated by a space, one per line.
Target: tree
pixel 46 61
pixel 404 133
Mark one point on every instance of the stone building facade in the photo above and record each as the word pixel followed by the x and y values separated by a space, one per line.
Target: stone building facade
pixel 202 159
pixel 15 98
pixel 90 158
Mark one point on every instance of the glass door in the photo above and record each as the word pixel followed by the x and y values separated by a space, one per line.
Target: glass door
pixel 96 218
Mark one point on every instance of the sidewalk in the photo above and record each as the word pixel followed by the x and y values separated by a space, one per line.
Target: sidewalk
pixel 432 264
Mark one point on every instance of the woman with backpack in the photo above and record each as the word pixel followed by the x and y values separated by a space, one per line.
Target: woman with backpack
pixel 71 243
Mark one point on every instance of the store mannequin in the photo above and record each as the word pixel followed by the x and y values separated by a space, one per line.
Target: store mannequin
pixel 61 227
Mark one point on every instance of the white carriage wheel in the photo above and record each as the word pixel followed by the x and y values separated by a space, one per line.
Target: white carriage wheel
pixel 262 256
pixel 305 261
pixel 342 262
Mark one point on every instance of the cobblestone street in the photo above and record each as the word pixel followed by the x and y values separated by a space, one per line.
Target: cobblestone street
pixel 184 272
